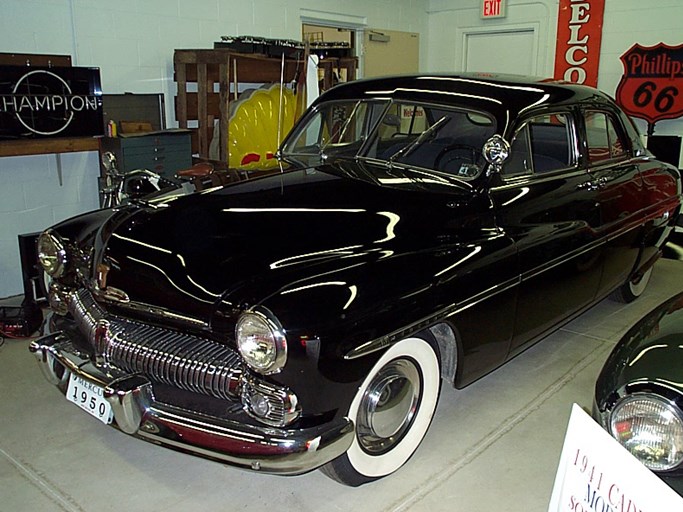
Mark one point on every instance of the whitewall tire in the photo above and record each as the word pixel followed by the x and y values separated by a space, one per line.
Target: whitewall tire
pixel 632 289
pixel 391 411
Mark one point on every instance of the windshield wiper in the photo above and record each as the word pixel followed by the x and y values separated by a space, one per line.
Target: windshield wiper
pixel 341 131
pixel 406 150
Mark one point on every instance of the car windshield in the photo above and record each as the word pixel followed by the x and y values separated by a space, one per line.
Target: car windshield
pixel 409 135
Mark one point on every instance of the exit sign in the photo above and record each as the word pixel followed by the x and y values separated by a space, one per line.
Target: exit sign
pixel 493 9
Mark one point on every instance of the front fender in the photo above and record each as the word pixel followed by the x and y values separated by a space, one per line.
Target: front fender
pixel 648 357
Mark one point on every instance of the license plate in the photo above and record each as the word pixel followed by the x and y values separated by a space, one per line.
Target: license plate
pixel 90 398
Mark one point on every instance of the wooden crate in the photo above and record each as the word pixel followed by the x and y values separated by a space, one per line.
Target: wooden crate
pixel 332 66
pixel 201 70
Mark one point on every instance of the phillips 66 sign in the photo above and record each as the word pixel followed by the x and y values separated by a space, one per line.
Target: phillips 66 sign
pixel 651 85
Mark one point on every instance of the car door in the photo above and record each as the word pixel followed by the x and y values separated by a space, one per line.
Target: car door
pixel 615 176
pixel 546 204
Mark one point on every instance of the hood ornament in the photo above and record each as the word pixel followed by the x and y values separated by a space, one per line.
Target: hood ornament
pixel 101 275
pixel 105 292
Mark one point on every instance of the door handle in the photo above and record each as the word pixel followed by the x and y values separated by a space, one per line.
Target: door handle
pixel 597 184
pixel 587 185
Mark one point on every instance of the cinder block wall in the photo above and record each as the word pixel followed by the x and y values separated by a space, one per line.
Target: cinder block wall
pixel 32 198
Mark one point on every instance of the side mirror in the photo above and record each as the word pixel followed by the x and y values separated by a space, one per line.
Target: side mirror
pixel 392 120
pixel 496 150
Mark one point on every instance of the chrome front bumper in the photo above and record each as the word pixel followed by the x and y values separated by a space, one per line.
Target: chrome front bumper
pixel 136 412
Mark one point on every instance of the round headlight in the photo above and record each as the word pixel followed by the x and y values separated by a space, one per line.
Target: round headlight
pixel 651 428
pixel 261 341
pixel 51 253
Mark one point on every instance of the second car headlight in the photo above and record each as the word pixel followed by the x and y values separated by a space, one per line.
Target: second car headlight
pixel 651 428
pixel 261 341
pixel 52 253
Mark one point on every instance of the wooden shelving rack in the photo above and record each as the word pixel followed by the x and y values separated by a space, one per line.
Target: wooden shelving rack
pixel 207 81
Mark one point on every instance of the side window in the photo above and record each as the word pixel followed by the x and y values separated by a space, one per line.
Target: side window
pixel 543 144
pixel 603 139
pixel 519 161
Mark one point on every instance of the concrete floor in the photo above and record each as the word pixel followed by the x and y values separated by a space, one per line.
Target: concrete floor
pixel 493 446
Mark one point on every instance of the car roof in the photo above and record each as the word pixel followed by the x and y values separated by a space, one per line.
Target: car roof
pixel 506 97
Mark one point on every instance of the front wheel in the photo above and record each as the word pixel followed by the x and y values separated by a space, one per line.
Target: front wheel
pixel 633 288
pixel 391 411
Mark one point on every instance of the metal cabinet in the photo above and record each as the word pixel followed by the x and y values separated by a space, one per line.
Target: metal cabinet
pixel 162 152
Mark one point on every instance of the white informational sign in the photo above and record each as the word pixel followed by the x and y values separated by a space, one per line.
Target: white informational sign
pixel 596 473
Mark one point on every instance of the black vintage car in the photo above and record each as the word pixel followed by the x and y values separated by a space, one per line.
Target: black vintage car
pixel 422 231
pixel 639 393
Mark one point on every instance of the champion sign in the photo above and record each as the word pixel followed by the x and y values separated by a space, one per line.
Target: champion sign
pixel 50 102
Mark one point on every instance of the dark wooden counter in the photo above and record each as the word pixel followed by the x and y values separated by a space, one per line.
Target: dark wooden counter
pixel 47 146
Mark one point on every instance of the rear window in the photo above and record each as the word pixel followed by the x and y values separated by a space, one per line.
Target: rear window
pixel 543 144
pixel 604 141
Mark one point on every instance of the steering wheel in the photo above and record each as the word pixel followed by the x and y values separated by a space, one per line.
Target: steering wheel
pixel 453 153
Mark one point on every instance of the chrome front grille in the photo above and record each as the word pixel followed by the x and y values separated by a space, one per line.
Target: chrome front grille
pixel 163 355
pixel 177 359
pixel 86 312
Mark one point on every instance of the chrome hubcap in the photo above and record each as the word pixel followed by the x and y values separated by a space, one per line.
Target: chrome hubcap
pixel 388 406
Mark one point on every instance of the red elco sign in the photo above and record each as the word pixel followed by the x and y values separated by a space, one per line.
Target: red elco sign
pixel 579 33
pixel 652 84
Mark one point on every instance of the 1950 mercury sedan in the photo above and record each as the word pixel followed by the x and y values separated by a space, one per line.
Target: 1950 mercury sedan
pixel 422 231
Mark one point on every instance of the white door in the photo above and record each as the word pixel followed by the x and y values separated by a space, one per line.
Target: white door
pixel 501 52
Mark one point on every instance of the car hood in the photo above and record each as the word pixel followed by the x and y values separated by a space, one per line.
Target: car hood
pixel 235 246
